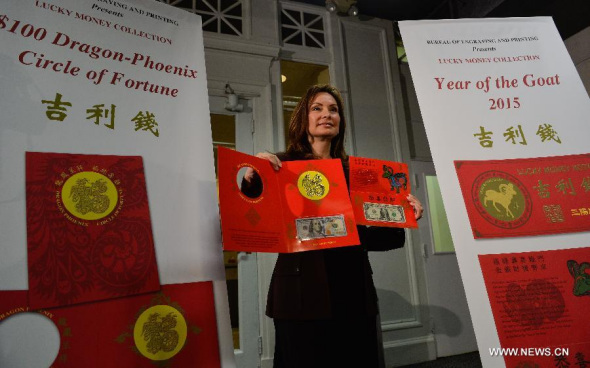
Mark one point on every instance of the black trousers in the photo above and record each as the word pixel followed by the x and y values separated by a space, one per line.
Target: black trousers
pixel 339 342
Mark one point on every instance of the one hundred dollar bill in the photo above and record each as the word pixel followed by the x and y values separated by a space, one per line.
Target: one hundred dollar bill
pixel 380 212
pixel 320 227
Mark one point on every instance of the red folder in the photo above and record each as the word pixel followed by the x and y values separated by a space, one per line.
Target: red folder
pixel 89 231
pixel 521 197
pixel 173 328
pixel 303 206
pixel 378 190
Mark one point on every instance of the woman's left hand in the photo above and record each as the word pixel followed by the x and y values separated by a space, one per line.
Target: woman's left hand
pixel 415 203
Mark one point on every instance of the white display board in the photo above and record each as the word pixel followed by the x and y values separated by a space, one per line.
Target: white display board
pixel 509 76
pixel 123 77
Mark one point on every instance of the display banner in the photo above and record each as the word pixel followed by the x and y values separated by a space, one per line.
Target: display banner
pixel 492 91
pixel 303 206
pixel 121 78
pixel 378 191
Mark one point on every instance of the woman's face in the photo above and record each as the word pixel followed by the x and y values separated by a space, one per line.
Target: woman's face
pixel 323 117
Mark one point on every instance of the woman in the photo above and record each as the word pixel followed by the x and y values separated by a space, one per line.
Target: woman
pixel 324 303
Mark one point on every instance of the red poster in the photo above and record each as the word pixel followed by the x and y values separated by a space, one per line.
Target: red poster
pixel 303 206
pixel 521 197
pixel 378 190
pixel 172 328
pixel 540 304
pixel 89 232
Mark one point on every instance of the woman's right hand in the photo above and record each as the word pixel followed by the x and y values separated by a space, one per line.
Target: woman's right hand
pixel 272 158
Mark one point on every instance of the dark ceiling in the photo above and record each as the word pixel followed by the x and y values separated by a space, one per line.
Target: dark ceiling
pixel 570 16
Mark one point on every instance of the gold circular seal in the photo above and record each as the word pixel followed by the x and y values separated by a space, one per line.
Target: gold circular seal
pixel 313 185
pixel 160 332
pixel 89 195
pixel 501 199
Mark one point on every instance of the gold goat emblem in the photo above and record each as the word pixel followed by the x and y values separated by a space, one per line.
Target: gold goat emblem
pixel 503 197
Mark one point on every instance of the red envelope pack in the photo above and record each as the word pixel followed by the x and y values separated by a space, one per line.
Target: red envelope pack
pixel 521 197
pixel 540 305
pixel 378 190
pixel 89 231
pixel 303 206
pixel 173 328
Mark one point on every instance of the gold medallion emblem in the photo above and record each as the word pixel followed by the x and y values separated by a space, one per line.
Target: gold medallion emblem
pixel 313 185
pixel 89 195
pixel 160 332
pixel 501 199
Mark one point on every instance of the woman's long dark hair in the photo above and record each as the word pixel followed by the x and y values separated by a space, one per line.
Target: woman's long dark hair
pixel 298 141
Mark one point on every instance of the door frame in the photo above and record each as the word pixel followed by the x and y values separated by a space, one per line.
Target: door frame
pixel 450 318
pixel 248 355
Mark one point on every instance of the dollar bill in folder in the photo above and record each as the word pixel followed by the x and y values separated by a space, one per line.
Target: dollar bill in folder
pixel 378 190
pixel 303 206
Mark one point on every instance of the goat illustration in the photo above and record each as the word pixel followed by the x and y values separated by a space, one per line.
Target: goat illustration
pixel 396 180
pixel 581 278
pixel 502 197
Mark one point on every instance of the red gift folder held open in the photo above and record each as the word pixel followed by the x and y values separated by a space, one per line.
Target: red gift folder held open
pixel 378 190
pixel 303 206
